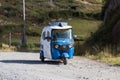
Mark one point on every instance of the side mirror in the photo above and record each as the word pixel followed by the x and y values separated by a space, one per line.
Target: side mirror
pixel 49 24
pixel 74 36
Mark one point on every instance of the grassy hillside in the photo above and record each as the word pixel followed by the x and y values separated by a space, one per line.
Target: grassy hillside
pixel 38 10
pixel 106 40
pixel 83 27
pixel 83 15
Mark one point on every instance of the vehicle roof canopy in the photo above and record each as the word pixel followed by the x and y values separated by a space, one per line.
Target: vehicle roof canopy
pixel 57 25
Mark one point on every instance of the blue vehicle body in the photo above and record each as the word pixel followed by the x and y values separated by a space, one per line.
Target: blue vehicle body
pixel 63 50
pixel 57 42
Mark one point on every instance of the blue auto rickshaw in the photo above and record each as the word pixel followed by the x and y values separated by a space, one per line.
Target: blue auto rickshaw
pixel 57 42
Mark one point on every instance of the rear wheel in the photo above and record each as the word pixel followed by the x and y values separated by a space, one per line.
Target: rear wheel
pixel 42 58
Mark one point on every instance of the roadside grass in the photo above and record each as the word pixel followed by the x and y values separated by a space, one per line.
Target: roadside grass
pixel 83 27
pixel 115 61
pixel 105 57
pixel 33 42
pixel 112 60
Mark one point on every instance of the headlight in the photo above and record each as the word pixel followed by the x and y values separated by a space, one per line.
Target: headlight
pixel 56 46
pixel 71 45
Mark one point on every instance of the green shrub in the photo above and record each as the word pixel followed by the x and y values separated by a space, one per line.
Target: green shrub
pixel 10 27
pixel 72 13
pixel 70 1
pixel 9 12
pixel 54 14
pixel 17 44
pixel 33 33
pixel 30 45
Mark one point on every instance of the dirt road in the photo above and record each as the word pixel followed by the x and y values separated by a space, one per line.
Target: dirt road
pixel 27 66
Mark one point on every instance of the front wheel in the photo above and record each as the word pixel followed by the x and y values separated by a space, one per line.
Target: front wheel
pixel 42 58
pixel 65 61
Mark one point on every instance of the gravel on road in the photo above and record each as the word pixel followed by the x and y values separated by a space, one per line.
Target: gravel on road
pixel 27 66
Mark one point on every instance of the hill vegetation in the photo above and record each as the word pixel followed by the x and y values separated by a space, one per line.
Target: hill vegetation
pixel 107 37
pixel 41 12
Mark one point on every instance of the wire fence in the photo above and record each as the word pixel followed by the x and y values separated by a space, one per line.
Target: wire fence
pixel 14 39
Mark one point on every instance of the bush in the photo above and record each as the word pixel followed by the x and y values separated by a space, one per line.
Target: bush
pixel 30 45
pixel 63 13
pixel 9 12
pixel 17 44
pixel 54 14
pixel 33 33
pixel 10 27
pixel 72 13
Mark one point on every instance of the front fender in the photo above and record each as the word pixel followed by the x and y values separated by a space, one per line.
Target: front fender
pixel 65 55
pixel 41 53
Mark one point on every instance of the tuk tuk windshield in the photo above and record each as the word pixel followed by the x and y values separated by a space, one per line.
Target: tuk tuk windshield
pixel 62 34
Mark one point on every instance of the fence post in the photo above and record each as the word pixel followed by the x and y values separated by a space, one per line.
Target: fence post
pixel 10 39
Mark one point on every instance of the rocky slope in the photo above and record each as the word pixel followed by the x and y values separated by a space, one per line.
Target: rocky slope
pixel 112 19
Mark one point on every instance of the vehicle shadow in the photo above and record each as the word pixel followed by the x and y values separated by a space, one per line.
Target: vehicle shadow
pixel 31 62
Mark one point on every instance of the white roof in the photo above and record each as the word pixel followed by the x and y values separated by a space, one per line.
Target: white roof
pixel 59 25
